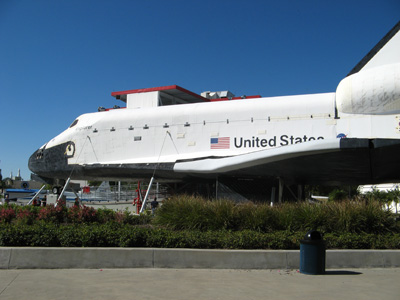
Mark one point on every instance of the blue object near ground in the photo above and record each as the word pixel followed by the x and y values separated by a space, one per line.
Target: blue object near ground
pixel 312 254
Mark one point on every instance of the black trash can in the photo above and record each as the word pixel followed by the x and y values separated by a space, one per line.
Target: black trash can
pixel 312 254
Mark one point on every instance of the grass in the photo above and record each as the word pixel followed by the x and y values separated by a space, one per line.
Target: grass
pixel 195 213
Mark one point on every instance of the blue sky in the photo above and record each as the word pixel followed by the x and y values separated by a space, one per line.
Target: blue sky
pixel 62 58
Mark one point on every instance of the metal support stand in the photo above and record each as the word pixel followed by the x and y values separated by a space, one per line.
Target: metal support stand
pixel 30 201
pixel 147 194
pixel 63 191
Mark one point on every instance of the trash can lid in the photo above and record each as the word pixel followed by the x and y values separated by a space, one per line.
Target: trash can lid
pixel 313 235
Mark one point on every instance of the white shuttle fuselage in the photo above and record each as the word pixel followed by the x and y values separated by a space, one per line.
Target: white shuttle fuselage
pixel 349 136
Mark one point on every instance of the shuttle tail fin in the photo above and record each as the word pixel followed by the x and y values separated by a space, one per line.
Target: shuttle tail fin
pixel 387 51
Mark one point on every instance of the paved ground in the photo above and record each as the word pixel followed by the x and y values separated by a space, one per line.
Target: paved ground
pixel 198 284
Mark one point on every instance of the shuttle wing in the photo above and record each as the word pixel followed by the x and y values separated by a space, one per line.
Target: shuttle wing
pixel 334 162
pixel 234 163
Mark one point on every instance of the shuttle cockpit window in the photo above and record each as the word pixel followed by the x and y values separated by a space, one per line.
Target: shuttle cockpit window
pixel 73 123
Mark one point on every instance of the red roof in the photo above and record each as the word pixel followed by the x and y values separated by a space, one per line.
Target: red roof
pixel 177 92
pixel 172 90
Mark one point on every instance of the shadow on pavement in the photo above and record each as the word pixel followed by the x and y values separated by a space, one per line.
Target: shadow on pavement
pixel 342 272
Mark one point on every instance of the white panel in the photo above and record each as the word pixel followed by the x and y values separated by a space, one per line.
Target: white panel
pixel 139 100
pixel 214 134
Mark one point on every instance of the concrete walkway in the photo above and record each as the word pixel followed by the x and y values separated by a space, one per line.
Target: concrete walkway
pixel 152 283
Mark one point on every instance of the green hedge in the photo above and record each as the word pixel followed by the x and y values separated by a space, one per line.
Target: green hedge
pixel 195 213
pixel 125 235
pixel 191 222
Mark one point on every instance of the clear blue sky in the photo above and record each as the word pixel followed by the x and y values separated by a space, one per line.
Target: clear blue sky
pixel 63 58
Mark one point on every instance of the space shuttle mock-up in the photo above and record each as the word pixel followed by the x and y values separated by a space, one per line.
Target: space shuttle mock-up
pixel 351 136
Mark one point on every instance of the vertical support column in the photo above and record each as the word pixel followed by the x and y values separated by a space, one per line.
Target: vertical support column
pixel 281 185
pixel 119 190
pixel 216 188
pixel 273 190
pixel 299 192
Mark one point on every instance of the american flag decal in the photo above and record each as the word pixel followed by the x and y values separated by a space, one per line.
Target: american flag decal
pixel 220 143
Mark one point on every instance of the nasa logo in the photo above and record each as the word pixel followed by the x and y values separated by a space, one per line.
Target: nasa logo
pixel 341 136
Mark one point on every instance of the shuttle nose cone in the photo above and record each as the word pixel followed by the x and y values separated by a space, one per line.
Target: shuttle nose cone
pixel 36 163
pixel 50 162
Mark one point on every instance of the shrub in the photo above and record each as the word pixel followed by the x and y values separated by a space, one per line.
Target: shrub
pixel 123 235
pixel 184 212
pixel 358 217
pixel 193 222
pixel 338 194
pixel 347 216
pixel 25 216
pixel 105 215
pixel 349 240
pixel 83 214
pixel 40 234
pixel 7 214
pixel 53 214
